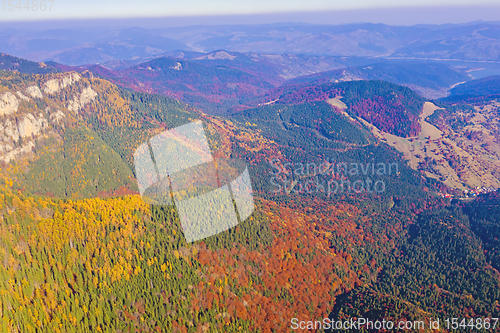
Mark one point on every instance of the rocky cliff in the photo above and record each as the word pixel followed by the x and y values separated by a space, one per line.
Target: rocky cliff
pixel 36 106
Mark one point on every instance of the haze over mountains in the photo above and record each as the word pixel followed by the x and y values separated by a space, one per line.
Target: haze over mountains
pixel 478 41
pixel 220 81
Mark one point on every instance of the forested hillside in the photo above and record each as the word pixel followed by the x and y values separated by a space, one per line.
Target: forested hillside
pixel 106 264
pixel 430 80
pixel 481 87
pixel 80 251
pixel 390 107
pixel 10 63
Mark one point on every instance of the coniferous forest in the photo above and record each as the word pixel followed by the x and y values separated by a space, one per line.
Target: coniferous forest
pixel 81 251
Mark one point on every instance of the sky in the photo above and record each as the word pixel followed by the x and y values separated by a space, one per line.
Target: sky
pixel 402 12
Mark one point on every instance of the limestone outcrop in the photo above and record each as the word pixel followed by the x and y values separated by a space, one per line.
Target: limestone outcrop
pixel 22 126
pixel 8 103
pixel 54 85
pixel 34 92
pixel 85 97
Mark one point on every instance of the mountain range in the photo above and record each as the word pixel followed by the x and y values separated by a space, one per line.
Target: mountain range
pixel 474 42
pixel 221 80
pixel 378 237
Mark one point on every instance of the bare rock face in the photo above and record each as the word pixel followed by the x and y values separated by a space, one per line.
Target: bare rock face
pixel 9 134
pixel 31 126
pixel 22 96
pixel 21 127
pixel 69 80
pixel 34 92
pixel 6 137
pixel 14 128
pixel 177 67
pixel 57 117
pixel 223 55
pixel 8 104
pixel 12 154
pixel 51 86
pixel 10 131
pixel 54 85
pixel 27 127
pixel 5 147
pixel 87 95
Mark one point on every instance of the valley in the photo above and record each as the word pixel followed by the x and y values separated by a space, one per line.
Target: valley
pixel 458 163
pixel 81 250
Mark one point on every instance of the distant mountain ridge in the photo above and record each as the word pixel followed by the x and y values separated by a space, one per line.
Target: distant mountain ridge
pixel 429 79
pixel 11 63
pixel 215 81
pixel 221 80
pixel 481 87
pixel 477 41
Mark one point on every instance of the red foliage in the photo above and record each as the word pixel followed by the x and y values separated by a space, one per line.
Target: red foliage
pixel 388 115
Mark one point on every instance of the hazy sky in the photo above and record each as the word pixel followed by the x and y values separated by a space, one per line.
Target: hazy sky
pixel 292 10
